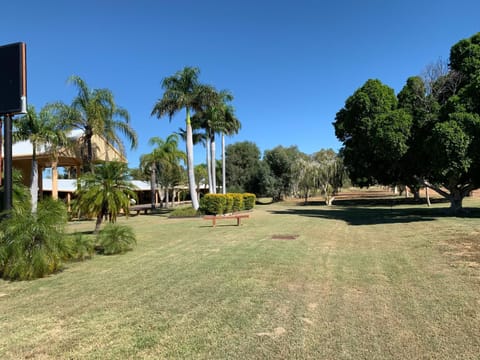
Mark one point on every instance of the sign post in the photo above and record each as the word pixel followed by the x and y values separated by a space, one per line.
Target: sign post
pixel 13 100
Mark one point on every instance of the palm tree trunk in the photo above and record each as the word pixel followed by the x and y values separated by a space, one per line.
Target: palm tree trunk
pixel 34 180
pixel 98 223
pixel 190 163
pixel 224 182
pixel 213 166
pixel 209 166
pixel 88 139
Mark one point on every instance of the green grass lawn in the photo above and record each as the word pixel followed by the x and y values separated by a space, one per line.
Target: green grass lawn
pixel 388 281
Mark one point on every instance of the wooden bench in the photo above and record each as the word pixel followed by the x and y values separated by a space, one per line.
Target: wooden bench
pixel 214 218
pixel 142 207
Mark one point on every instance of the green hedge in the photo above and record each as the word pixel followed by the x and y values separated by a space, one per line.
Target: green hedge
pixel 214 204
pixel 249 201
pixel 218 204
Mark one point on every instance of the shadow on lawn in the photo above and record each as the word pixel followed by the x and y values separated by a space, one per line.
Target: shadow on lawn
pixel 378 211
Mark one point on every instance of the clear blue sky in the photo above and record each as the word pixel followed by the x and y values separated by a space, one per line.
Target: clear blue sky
pixel 290 64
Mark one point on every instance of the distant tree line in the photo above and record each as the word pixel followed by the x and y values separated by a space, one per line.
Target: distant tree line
pixel 284 172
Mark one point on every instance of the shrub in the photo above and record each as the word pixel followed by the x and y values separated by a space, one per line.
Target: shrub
pixel 249 201
pixel 228 203
pixel 213 204
pixel 33 245
pixel 217 204
pixel 237 202
pixel 116 239
pixel 82 247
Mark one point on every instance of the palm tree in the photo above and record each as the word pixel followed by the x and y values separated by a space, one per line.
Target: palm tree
pixel 165 157
pixel 95 112
pixel 184 91
pixel 217 118
pixel 231 126
pixel 42 130
pixel 104 192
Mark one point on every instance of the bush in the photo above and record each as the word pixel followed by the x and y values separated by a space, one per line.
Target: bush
pixel 249 201
pixel 82 247
pixel 116 239
pixel 228 203
pixel 217 204
pixel 237 202
pixel 33 245
pixel 213 204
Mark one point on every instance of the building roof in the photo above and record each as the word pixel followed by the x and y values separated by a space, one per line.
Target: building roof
pixel 70 185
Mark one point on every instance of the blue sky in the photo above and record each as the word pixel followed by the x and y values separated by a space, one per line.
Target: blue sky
pixel 290 64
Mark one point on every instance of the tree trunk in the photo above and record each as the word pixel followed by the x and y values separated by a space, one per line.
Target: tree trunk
pixel 88 139
pixel 224 181
pixel 190 163
pixel 34 180
pixel 415 192
pixel 456 199
pixel 427 196
pixel 214 165
pixel 209 166
pixel 167 196
pixel 98 223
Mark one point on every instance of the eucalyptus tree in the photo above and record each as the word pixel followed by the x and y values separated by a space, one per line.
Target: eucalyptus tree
pixel 307 171
pixel 45 132
pixel 95 112
pixel 104 192
pixel 331 173
pixel 184 91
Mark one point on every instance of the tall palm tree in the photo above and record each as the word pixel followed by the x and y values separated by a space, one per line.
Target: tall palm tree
pixel 42 130
pixel 104 192
pixel 232 126
pixel 184 91
pixel 218 118
pixel 95 112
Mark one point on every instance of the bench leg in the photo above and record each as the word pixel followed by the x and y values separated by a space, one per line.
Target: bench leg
pixel 238 221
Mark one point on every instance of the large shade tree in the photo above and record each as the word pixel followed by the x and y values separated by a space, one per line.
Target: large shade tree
pixel 431 137
pixel 183 91
pixel 95 112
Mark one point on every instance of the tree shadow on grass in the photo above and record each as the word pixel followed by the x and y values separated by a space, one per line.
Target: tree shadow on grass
pixel 371 212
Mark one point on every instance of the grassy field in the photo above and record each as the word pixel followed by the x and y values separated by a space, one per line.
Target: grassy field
pixel 359 280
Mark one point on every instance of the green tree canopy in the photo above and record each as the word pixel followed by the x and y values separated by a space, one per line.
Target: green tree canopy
pixel 430 137
pixel 242 160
